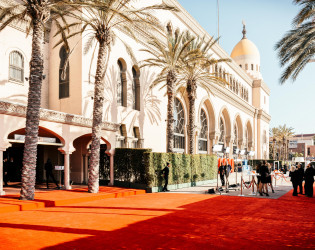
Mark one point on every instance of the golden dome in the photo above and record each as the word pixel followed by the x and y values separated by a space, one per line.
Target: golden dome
pixel 245 47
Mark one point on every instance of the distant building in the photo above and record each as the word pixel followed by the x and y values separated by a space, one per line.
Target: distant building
pixel 303 144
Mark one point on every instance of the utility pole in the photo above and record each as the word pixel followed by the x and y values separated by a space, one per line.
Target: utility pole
pixel 218 7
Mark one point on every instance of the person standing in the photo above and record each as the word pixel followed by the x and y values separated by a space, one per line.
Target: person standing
pixel 269 176
pixel 264 175
pixel 49 173
pixel 166 172
pixel 221 172
pixel 294 179
pixel 259 185
pixel 300 171
pixel 6 172
pixel 309 180
pixel 227 171
pixel 12 171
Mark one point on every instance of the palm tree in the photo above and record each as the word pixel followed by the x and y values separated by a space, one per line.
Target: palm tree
pixel 101 19
pixel 35 14
pixel 296 49
pixel 280 135
pixel 195 71
pixel 168 55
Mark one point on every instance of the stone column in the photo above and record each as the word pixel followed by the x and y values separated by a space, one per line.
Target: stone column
pixel 111 168
pixel 67 169
pixel 1 171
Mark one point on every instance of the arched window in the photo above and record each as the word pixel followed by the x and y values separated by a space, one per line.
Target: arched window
pixel 252 66
pixel 136 88
pixel 121 137
pixel 203 137
pixel 179 122
pixel 265 137
pixel 235 135
pixel 16 66
pixel 246 66
pixel 246 138
pixel 63 74
pixel 136 137
pixel 222 131
pixel 120 84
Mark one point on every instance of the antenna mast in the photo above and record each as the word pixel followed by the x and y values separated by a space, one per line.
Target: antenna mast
pixel 218 21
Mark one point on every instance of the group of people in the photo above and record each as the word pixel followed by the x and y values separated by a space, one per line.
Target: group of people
pixel 298 175
pixel 224 171
pixel 263 171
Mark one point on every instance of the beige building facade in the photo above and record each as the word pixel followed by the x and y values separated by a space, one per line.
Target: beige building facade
pixel 236 116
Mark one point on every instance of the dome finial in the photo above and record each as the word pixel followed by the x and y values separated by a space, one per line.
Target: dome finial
pixel 244 29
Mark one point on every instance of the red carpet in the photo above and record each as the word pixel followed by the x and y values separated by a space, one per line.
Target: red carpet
pixel 11 203
pixel 165 221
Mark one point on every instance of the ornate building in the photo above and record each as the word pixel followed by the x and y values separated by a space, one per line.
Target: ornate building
pixel 134 114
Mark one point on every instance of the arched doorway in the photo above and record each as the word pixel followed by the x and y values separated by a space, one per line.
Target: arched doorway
pixel 48 144
pixel 80 159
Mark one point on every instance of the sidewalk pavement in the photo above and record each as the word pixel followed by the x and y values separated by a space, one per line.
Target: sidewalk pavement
pixel 281 186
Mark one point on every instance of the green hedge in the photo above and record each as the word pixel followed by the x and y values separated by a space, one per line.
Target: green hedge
pixel 129 166
pixel 184 168
pixel 141 166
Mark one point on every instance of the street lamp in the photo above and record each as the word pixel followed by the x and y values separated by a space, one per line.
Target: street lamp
pixel 283 140
pixel 274 148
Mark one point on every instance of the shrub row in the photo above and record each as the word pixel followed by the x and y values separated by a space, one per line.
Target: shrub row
pixel 142 166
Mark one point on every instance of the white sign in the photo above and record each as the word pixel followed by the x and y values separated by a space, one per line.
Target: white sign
pixel 40 139
pixel 242 152
pixel 217 148
pixel 59 167
pixel 227 150
pixel 251 153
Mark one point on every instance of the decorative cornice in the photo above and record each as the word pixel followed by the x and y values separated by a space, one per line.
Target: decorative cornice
pixel 54 116
pixel 263 116
pixel 261 84
pixel 230 97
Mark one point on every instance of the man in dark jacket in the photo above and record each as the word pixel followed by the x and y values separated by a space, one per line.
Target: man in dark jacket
pixel 294 179
pixel 5 172
pixel 166 172
pixel 222 172
pixel 309 180
pixel 49 173
pixel 300 175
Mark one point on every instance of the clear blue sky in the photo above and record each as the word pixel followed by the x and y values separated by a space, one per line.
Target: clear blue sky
pixel 267 21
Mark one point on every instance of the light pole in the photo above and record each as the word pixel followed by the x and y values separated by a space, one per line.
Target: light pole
pixel 274 148
pixel 283 141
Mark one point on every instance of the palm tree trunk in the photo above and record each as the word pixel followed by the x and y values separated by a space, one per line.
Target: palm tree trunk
pixel 93 185
pixel 191 91
pixel 32 114
pixel 171 80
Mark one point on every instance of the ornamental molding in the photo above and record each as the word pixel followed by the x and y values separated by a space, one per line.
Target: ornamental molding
pixel 264 116
pixel 16 109
pixel 261 84
pixel 230 97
